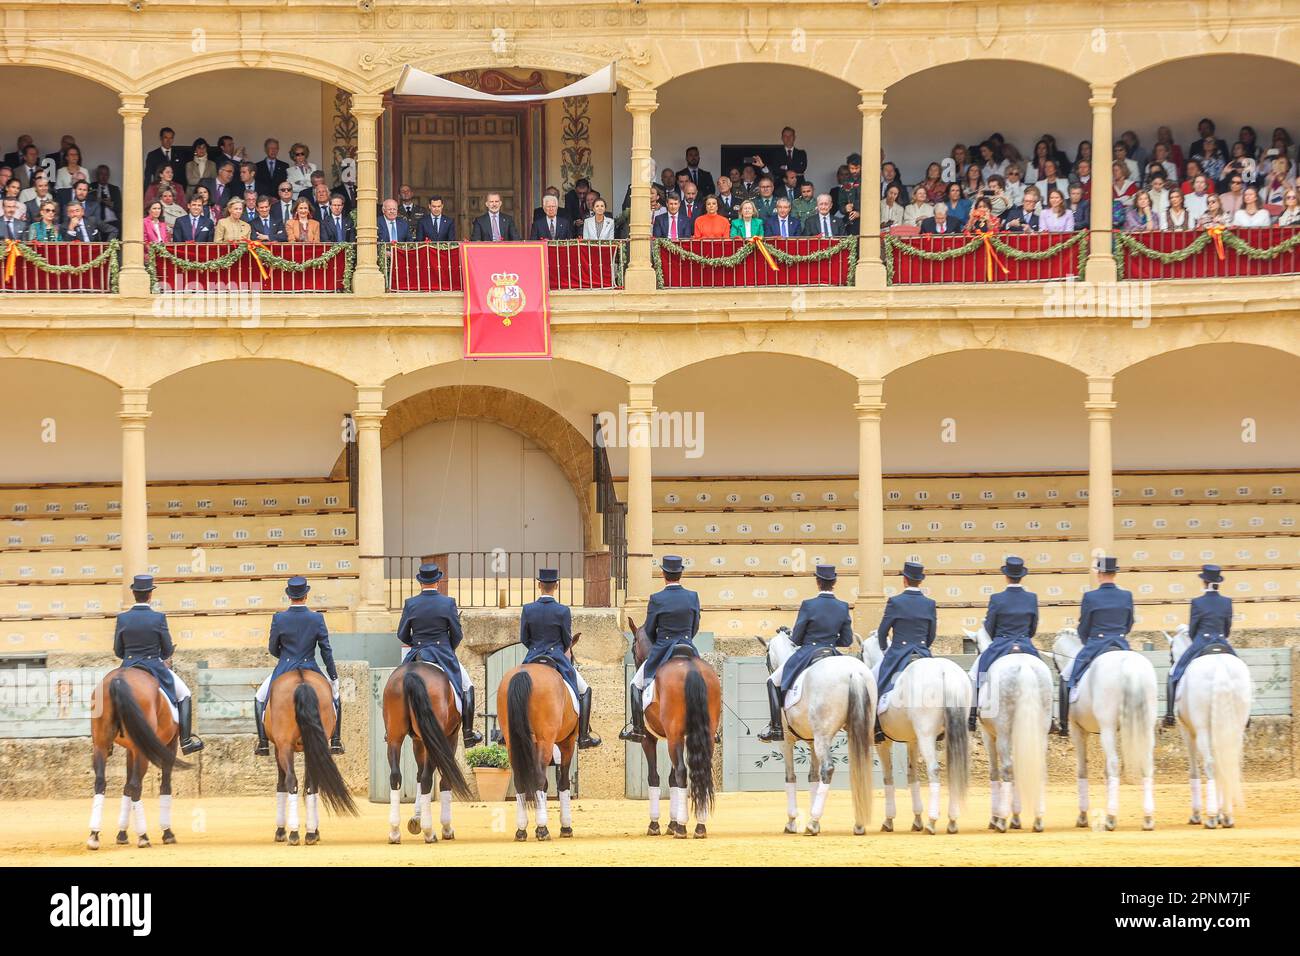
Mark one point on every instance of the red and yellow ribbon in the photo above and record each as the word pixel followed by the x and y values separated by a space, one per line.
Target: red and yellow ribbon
pixel 762 248
pixel 253 246
pixel 991 257
pixel 1216 233
pixel 11 258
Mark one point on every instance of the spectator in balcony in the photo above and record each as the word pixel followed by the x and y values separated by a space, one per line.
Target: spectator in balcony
pixel 1133 170
pixel 233 227
pixel 891 208
pixel 991 164
pixel 782 224
pixel 12 227
pixel 165 180
pixel 1278 180
pixel 747 188
pixel 674 225
pixel 223 187
pixel 958 205
pixel 302 226
pixel 1051 179
pixel 1177 217
pixel 298 173
pixel 919 208
pixel 1213 159
pixel 317 179
pixel 1251 214
pixel 1080 207
pixel 728 203
pixel 1282 142
pixel 995 193
pixel 267 228
pixel 494 225
pixel 982 219
pixel 1142 216
pixel 248 180
pixel 1249 141
pixel 575 201
pixel 72 172
pixel 1082 175
pixel 155 226
pixel 1193 170
pixel 1158 190
pixel 46 226
pixel 657 204
pixel 702 178
pixel 409 209
pixel 272 170
pixel 1198 199
pixel 1240 164
pixel 842 178
pixel 1123 188
pixel 823 221
pixel 711 224
pixel 1081 155
pixel 1056 217
pixel 14 159
pixel 105 220
pixel 172 210
pixel 201 193
pixel 538 211
pixel 691 205
pixel 200 166
pixel 250 205
pixel 747 225
pixel 933 184
pixel 195 227
pixel 1027 217
pixel 25 172
pixel 437 226
pixel 228 152
pixel 888 174
pixel 320 202
pixel 1014 185
pixel 668 179
pixel 1160 154
pixel 283 203
pixel 1042 155
pixel 1290 215
pixel 789 188
pixel 599 226
pixel 1213 215
pixel 1205 131
pixel 1134 149
pixel 1165 138
pixel 105 193
pixel 167 154
pixel 80 228
pixel 790 158
pixel 13 190
pixel 1231 197
pixel 806 204
pixel 961 160
pixel 550 225
pixel 338 226
pixel 972 184
pixel 765 201
pixel 941 224
pixel 32 197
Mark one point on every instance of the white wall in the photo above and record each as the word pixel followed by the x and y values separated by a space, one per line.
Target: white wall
pixel 77 410
pixel 475 486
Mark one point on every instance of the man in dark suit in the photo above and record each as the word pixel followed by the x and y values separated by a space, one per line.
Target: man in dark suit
pixel 692 205
pixel 728 202
pixel 79 228
pixel 167 154
pixel 437 226
pixel 790 157
pixel 1081 206
pixel 271 171
pixel 317 179
pixel 282 206
pixel 11 227
pixel 494 225
pixel 224 186
pixel 94 212
pixel 575 202
pixel 781 224
pixel 104 192
pixel 702 178
pixel 25 171
pixel 196 227
pixel 14 159
pixel 550 224
pixel 409 209
pixel 60 158
pixel 672 619
pixel 1023 218
pixel 546 629
pixel 789 186
pixel 320 203
pixel 675 225
pixel 349 193
pixel 338 227
pixel 225 152
pixel 825 221
pixel 265 226
pixel 941 224
pixel 392 227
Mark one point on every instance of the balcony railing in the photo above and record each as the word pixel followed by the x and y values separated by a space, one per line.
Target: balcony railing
pixel 264 266
pixel 1216 253
pixel 997 258
pixel 507 578
pixel 38 267
pixel 570 264
pixel 731 263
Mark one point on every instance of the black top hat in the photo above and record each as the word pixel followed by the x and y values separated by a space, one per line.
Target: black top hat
pixel 1014 567
pixel 297 587
pixel 1211 574
pixel 547 575
pixel 142 582
pixel 1107 565
pixel 672 564
pixel 914 570
pixel 428 574
pixel 826 572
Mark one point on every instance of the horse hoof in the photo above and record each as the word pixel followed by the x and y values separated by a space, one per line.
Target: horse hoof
pixel 312 838
pixel 293 838
pixel 1194 820
pixel 430 837
pixel 887 826
pixel 413 826
pixel 521 836
pixel 566 832
pixel 859 830
pixel 168 837
pixel 700 831
pixel 448 833
pixel 1000 824
pixel 1110 822
pixel 122 839
pixel 792 826
pixel 543 834
pixel 1038 824
pixel 679 831
pixel 916 824
pixel 1148 823
pixel 394 836
pixel 952 826
pixel 1227 822
pixel 1082 821
pixel 1015 821
pixel 929 828
pixel 92 841
pixel 279 834
pixel 143 843
pixel 812 829
pixel 1211 822
pixel 653 829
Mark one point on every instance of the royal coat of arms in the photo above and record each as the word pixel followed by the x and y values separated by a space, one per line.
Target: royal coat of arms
pixel 505 298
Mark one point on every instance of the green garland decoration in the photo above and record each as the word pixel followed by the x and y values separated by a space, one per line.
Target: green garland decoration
pixel 895 242
pixel 158 250
pixel 1128 242
pixel 110 253
pixel 748 249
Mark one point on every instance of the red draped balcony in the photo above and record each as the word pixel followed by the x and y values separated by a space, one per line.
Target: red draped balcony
pixel 570 264
pixel 754 263
pixel 997 258
pixel 1216 253
pixel 261 266
pixel 38 267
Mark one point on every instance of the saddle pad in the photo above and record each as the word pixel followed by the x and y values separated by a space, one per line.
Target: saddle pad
pixel 176 714
pixel 573 697
pixel 796 689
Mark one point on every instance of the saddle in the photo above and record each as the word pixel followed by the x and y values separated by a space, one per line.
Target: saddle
pixel 683 650
pixel 1215 647
pixel 820 653
pixel 548 660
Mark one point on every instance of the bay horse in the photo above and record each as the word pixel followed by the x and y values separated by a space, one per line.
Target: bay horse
pixel 536 717
pixel 300 718
pixel 418 703
pixel 128 708
pixel 1213 710
pixel 686 712
pixel 1117 701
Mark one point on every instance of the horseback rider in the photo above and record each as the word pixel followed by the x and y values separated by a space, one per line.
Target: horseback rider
pixel 1105 618
pixel 546 629
pixel 1011 622
pixel 672 621
pixel 430 626
pixel 824 623
pixel 296 632
pixel 1210 625
pixel 141 639
pixel 912 618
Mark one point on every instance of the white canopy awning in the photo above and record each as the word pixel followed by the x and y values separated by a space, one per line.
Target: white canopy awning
pixel 415 82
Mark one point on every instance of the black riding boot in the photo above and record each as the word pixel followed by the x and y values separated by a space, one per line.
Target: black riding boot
pixel 585 740
pixel 472 737
pixel 336 738
pixel 974 721
pixel 189 743
pixel 635 731
pixel 1063 729
pixel 262 749
pixel 773 732
pixel 1170 690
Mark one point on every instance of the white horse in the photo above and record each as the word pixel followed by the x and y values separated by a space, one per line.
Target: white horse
pixel 1212 708
pixel 1117 700
pixel 931 697
pixel 1015 715
pixel 838 693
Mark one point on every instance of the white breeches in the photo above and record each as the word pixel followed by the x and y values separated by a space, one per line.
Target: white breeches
pixel 581 684
pixel 182 690
pixel 775 677
pixel 638 680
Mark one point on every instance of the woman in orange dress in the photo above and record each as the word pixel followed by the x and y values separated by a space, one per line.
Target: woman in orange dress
pixel 711 225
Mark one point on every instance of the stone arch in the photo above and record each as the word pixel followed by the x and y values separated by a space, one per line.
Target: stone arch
pixel 382 69
pixel 285 62
pixel 101 74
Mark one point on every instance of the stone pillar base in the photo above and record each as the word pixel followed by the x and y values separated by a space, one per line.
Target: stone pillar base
pixel 368 282
pixel 1101 269
pixel 639 279
pixel 133 282
pixel 869 275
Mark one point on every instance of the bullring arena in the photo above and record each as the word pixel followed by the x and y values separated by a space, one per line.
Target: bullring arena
pixel 857 389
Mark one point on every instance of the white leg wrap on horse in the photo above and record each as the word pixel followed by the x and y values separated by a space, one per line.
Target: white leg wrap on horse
pixel 681 806
pixel 313 813
pixel 672 804
pixel 165 811
pixel 137 812
pixel 444 798
pixel 124 814
pixel 1148 796
pixel 293 811
pixel 1083 794
pixel 1112 795
pixel 792 800
pixel 426 811
pixel 394 808
pixel 915 787
pixel 1195 784
pixel 1008 796
pixel 702 816
pixel 1015 799
pixel 1211 798
pixel 541 808
pixel 934 799
pixel 521 812
pixel 890 805
pixel 566 811
pixel 654 804
pixel 819 799
pixel 281 803
pixel 96 811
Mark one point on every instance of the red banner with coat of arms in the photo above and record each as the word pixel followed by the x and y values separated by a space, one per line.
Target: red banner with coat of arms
pixel 506 311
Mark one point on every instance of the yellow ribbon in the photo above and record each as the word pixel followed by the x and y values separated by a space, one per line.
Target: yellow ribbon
pixel 1216 233
pixel 254 244
pixel 758 242
pixel 991 256
pixel 11 258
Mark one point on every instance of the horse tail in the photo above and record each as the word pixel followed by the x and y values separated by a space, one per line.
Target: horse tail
pixel 135 727
pixel 441 750
pixel 530 775
pixel 699 744
pixel 321 769
pixel 1226 735
pixel 956 707
pixel 1136 723
pixel 1028 739
pixel 862 734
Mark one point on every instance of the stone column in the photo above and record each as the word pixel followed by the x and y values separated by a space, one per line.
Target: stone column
pixel 1101 498
pixel 372 609
pixel 1101 259
pixel 640 500
pixel 132 280
pixel 640 276
pixel 871 507
pixel 870 273
pixel 134 415
pixel 367 279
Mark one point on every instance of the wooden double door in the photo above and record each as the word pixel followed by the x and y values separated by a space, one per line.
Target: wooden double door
pixel 464 156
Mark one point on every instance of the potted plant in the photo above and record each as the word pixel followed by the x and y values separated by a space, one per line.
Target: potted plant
pixel 491 766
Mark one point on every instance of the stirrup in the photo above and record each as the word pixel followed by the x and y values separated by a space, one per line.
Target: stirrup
pixel 190 746
pixel 771 734
pixel 1169 721
pixel 630 733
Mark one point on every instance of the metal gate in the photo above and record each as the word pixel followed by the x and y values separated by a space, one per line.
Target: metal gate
pixel 379 748
pixel 635 767
pixel 499 664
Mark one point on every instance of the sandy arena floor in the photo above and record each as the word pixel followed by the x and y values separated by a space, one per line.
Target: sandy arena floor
pixel 746 830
